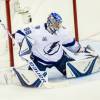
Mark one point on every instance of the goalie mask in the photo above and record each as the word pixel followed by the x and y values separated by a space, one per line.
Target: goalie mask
pixel 54 22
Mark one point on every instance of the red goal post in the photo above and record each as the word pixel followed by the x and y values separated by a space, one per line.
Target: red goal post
pixel 11 54
pixel 75 19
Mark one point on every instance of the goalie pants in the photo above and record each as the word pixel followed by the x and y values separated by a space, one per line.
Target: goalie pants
pixel 60 64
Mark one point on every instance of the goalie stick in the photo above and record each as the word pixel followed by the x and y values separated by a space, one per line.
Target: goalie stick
pixel 41 77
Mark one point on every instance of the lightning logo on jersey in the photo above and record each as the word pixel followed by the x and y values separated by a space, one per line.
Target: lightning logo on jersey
pixel 52 48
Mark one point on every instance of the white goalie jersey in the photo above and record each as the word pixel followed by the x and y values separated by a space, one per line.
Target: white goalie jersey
pixel 41 43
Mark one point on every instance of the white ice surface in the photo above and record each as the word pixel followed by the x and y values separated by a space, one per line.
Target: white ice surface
pixel 85 88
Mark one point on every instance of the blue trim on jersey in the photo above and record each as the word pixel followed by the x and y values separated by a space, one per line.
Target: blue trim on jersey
pixel 69 44
pixel 78 73
pixel 50 62
pixel 26 31
pixel 42 61
pixel 23 83
pixel 20 32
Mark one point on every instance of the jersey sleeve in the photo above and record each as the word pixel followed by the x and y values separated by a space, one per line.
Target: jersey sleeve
pixel 25 33
pixel 69 42
pixel 73 46
pixel 21 34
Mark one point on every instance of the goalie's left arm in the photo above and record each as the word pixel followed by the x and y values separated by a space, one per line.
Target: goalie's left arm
pixel 72 46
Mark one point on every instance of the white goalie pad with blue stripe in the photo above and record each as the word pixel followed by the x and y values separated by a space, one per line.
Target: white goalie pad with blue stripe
pixel 75 69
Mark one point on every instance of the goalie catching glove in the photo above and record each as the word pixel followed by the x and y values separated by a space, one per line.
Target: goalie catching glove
pixel 88 50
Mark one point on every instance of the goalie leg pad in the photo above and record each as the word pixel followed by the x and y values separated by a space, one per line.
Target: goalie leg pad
pixel 22 77
pixel 83 67
pixel 7 76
